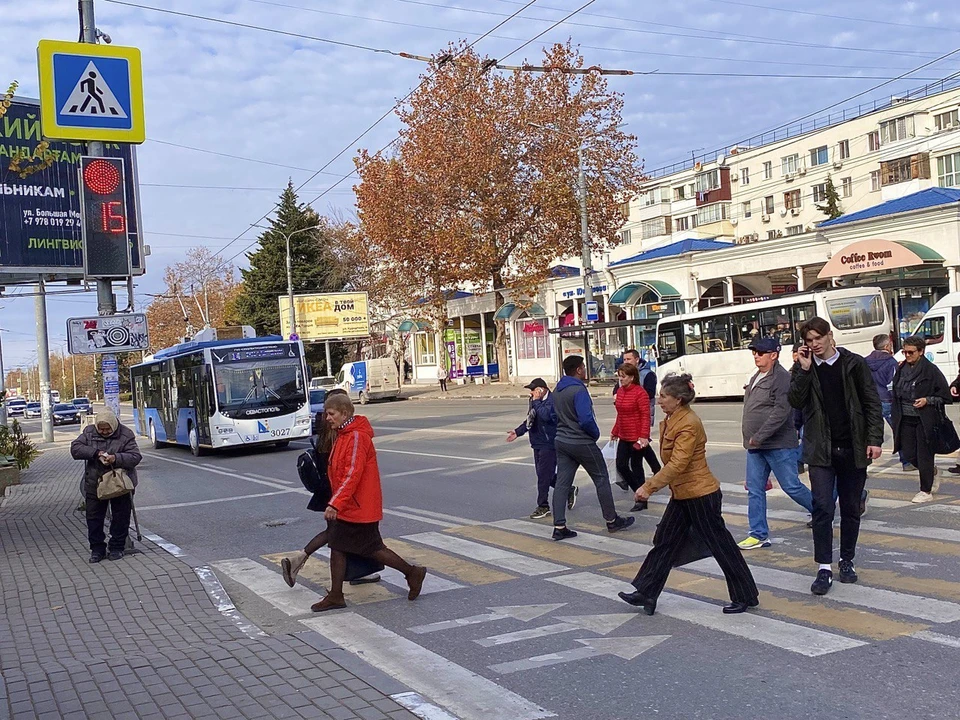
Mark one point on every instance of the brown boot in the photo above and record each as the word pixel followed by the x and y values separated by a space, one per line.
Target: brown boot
pixel 329 603
pixel 291 567
pixel 415 581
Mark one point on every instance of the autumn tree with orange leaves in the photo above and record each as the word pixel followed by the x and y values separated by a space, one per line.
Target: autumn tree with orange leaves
pixel 475 195
pixel 201 290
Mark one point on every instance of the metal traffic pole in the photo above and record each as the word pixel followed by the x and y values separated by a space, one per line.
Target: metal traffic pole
pixel 3 388
pixel 43 362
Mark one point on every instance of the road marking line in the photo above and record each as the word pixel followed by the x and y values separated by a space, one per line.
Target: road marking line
pixel 523 613
pixel 412 472
pixel 953 509
pixel 481 461
pixel 429 521
pixel 916 606
pixel 421 708
pixel 213 501
pixel 267 477
pixel 484 553
pixel 464 693
pixel 899 544
pixel 456 519
pixel 623 647
pixel 592 542
pixel 567 554
pixel 930 533
pixel 227 473
pixel 463 570
pixel 268 585
pixel 600 624
pixel 318 572
pixel 786 636
pixel 938 638
pixel 813 612
pixel 432 583
pixel 444 431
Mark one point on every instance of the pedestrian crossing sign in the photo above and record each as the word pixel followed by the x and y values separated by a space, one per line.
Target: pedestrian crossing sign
pixel 90 92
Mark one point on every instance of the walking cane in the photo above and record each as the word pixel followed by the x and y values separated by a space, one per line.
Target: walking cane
pixel 136 523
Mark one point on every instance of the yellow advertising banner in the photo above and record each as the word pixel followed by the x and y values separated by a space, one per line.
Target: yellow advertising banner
pixel 332 316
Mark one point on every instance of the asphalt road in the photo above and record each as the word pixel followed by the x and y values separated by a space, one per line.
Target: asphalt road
pixel 888 647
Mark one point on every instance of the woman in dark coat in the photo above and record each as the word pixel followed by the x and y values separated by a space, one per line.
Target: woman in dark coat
pixel 919 393
pixel 103 446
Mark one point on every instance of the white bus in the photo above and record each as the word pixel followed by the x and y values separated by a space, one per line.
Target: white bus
pixel 711 344
pixel 222 393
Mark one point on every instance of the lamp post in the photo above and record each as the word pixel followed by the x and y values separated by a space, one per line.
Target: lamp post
pixel 293 309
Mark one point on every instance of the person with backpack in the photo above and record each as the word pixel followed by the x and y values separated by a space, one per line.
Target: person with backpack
pixel 312 465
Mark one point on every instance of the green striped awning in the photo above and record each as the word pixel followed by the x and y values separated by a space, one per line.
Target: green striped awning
pixel 624 294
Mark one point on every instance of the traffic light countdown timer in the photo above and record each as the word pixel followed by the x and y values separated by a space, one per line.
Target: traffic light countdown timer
pixel 106 246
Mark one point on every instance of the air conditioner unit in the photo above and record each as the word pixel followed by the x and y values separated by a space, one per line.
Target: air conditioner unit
pixel 801 171
pixel 783 212
pixel 734 222
pixel 788 177
pixel 755 237
pixel 794 211
pixel 734 178
pixel 837 165
pixel 765 218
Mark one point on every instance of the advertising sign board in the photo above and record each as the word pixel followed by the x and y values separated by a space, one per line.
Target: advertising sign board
pixel 107 334
pixel 40 228
pixel 331 316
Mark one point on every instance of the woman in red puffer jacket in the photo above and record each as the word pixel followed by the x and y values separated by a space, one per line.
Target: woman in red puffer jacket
pixel 632 428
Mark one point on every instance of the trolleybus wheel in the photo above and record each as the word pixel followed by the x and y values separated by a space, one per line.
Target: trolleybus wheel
pixel 194 441
pixel 153 438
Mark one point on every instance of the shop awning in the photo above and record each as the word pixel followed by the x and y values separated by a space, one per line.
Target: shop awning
pixel 876 255
pixel 412 326
pixel 507 310
pixel 666 291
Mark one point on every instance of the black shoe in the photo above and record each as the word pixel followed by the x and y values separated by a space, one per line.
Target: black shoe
pixel 622 484
pixel 735 608
pixel 637 507
pixel 621 523
pixel 637 600
pixel 864 496
pixel 115 555
pixel 847 574
pixel 563 533
pixel 955 470
pixel 801 468
pixel 821 586
pixel 96 557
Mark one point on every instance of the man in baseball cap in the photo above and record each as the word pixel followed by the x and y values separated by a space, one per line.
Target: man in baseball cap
pixel 770 439
pixel 541 426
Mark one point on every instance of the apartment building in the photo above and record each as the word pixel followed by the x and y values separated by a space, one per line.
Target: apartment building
pixel 753 194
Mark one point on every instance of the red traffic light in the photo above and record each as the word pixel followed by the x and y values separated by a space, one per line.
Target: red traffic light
pixel 101 177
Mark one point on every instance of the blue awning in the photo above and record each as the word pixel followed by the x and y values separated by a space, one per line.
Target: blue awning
pixel 413 326
pixel 506 311
pixel 664 290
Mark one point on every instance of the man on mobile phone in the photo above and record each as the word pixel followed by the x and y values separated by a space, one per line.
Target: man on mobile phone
pixel 843 433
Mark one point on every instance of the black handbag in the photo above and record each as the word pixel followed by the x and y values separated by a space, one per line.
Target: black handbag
pixel 313 479
pixel 945 439
pixel 359 566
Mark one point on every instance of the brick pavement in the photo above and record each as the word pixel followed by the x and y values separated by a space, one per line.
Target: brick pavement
pixel 141 637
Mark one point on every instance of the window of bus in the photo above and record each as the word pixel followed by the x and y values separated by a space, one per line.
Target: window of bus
pixel 669 345
pixel 246 385
pixel 800 314
pixel 775 323
pixel 856 312
pixel 717 334
pixel 693 338
pixel 932 330
pixel 746 326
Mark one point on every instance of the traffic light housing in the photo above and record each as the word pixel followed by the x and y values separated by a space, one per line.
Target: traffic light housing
pixel 106 245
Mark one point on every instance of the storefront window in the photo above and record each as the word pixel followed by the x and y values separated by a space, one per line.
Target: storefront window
pixel 426 349
pixel 532 343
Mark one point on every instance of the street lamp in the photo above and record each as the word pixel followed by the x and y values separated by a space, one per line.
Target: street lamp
pixel 293 309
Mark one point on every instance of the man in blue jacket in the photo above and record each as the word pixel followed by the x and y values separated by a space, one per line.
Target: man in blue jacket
pixel 541 427
pixel 577 435
pixel 883 367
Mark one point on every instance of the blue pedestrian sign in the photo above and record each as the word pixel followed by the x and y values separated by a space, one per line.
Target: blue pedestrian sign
pixel 90 92
pixel 593 311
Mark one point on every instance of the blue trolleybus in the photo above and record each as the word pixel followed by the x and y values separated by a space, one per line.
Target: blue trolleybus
pixel 223 393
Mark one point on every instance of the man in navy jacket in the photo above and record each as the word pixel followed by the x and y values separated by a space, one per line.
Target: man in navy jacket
pixel 577 435
pixel 540 426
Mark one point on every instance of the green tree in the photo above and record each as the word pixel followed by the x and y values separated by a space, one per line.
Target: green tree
pixel 831 201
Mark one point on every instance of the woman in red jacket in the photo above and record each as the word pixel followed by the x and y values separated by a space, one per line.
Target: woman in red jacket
pixel 632 429
pixel 356 505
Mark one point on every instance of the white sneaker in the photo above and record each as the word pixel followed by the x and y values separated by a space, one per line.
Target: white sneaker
pixel 291 567
pixel 936 485
pixel 922 497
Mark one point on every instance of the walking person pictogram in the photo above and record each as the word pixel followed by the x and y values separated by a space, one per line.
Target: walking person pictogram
pixel 89 86
pixel 92 97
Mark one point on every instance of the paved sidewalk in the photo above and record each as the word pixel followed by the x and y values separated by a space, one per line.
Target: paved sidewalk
pixel 471 391
pixel 141 637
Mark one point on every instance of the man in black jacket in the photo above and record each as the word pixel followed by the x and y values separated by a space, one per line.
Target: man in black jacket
pixel 843 433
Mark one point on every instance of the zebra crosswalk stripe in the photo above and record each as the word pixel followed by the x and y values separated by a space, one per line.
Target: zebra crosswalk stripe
pixel 497 557
pixel 750 626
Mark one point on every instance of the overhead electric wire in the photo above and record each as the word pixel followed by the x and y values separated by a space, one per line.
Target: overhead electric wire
pixel 228 155
pixel 832 105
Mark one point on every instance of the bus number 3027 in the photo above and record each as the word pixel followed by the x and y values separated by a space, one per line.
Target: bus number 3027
pixel 280 433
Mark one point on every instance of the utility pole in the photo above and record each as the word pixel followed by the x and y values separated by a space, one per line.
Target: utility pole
pixel 106 302
pixel 73 368
pixel 586 247
pixel 3 388
pixel 43 361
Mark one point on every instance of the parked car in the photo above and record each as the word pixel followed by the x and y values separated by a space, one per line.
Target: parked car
pixel 323 381
pixel 17 407
pixel 84 404
pixel 66 414
pixel 33 410
pixel 317 396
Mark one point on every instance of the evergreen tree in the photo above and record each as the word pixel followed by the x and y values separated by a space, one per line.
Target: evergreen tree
pixel 314 267
pixel 831 205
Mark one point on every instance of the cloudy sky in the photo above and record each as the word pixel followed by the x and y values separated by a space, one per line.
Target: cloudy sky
pixel 233 111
